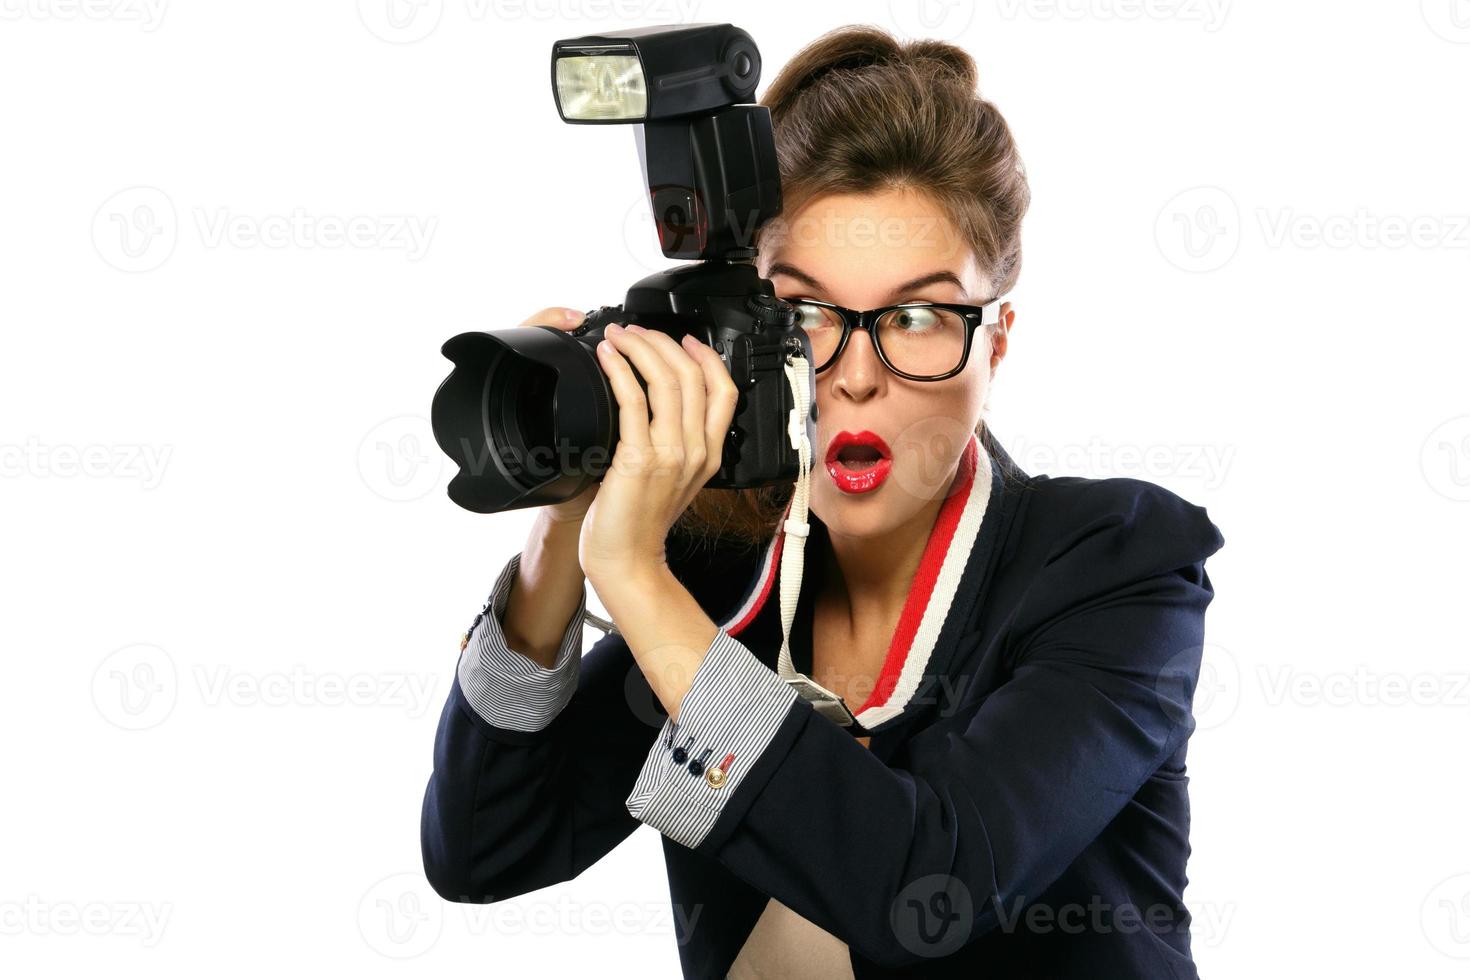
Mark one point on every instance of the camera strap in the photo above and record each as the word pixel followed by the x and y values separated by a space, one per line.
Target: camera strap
pixel 825 702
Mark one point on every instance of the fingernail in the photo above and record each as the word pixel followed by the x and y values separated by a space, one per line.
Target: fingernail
pixel 634 328
pixel 572 316
pixel 614 328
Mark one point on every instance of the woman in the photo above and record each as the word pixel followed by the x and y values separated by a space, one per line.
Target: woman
pixel 996 786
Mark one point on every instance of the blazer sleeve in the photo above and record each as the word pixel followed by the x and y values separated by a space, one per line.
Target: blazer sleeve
pixel 531 764
pixel 506 688
pixel 996 799
pixel 735 703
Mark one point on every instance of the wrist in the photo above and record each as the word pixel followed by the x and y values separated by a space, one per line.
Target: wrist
pixel 562 537
pixel 663 625
pixel 632 579
pixel 550 523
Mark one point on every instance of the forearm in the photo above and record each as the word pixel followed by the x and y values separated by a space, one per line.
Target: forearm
pixel 664 627
pixel 547 591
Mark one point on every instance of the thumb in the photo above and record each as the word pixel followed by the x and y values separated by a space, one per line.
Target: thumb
pixel 560 317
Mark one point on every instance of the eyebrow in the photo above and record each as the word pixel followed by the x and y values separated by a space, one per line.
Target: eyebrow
pixel 787 269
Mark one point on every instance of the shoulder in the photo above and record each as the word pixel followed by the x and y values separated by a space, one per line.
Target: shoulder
pixel 1118 517
pixel 1103 562
pixel 1080 540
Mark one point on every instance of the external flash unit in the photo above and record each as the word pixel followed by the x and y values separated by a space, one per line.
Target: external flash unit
pixel 653 73
pixel 527 414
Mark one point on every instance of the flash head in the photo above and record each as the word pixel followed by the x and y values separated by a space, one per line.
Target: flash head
pixel 527 415
pixel 653 73
pixel 707 152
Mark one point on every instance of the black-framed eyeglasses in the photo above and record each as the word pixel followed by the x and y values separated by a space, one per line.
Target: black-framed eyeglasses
pixel 917 341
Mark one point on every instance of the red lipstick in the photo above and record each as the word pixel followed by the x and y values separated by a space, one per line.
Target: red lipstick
pixel 858 461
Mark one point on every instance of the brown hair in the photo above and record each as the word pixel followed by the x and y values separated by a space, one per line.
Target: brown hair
pixel 856 111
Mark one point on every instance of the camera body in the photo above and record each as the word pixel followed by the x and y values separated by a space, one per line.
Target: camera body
pixel 527 413
pixel 729 307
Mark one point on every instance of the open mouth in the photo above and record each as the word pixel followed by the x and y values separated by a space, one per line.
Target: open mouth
pixel 857 450
pixel 858 461
pixel 858 457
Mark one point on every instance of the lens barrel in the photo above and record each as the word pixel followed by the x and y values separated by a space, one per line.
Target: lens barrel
pixel 528 416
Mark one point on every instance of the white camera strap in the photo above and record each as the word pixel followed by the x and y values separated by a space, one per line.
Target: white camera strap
pixel 793 546
pixel 795 526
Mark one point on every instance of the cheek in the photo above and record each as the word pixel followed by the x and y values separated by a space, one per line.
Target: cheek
pixel 977 384
pixel 976 376
pixel 958 402
pixel 965 393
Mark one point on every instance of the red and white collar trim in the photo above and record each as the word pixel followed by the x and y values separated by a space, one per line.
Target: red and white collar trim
pixel 945 558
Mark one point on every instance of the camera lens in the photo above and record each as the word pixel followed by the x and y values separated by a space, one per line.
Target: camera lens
pixel 528 416
pixel 520 413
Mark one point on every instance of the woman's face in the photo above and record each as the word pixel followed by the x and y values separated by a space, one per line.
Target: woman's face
pixel 863 251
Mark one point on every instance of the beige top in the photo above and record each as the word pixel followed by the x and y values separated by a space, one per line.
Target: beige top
pixel 784 944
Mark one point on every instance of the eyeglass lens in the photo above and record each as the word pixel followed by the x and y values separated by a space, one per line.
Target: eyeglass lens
pixel 919 340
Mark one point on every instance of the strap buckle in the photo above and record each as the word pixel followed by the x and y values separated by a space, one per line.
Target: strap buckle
pixel 828 705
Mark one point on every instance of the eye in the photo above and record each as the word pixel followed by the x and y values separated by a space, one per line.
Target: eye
pixel 809 316
pixel 916 320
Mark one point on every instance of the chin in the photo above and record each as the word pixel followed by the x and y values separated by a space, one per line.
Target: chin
pixel 856 515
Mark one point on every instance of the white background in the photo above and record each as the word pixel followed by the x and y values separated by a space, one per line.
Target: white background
pixel 233 586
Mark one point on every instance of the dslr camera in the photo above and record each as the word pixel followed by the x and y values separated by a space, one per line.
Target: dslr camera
pixel 526 413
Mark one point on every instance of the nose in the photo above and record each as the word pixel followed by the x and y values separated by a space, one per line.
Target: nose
pixel 858 373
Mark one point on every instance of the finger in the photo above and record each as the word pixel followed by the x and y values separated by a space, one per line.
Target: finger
pixel 632 406
pixel 664 395
pixel 721 397
pixel 692 395
pixel 560 317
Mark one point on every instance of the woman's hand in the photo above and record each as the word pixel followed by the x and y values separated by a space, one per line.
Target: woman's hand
pixel 574 510
pixel 660 464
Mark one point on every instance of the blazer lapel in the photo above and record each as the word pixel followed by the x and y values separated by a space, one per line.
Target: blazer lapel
pixel 943 593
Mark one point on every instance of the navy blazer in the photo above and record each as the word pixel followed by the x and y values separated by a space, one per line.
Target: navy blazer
pixel 1022 808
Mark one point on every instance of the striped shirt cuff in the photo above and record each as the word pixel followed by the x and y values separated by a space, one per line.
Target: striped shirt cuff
pixel 506 688
pixel 727 718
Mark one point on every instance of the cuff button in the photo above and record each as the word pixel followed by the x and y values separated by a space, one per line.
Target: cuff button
pixel 715 777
